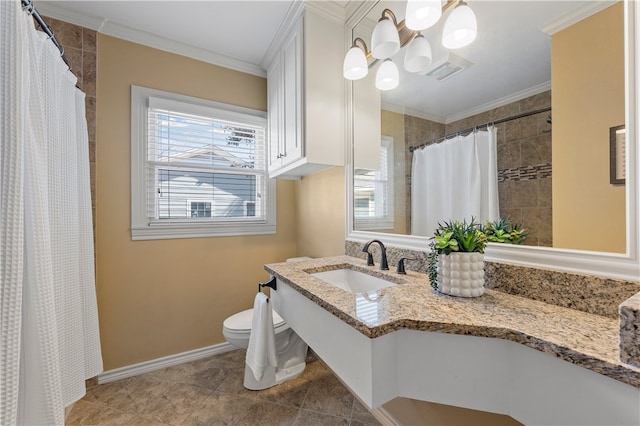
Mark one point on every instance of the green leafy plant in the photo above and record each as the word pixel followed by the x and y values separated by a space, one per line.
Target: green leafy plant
pixel 504 231
pixel 454 236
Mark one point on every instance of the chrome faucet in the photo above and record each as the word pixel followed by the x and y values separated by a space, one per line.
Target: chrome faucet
pixel 383 257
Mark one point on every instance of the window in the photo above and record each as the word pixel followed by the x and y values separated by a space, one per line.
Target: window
pixel 199 209
pixel 198 168
pixel 373 192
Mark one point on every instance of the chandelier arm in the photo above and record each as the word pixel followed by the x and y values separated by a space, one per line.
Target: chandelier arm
pixel 391 15
pixel 449 4
pixel 364 45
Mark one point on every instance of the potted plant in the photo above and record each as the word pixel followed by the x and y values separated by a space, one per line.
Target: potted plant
pixel 456 261
pixel 504 231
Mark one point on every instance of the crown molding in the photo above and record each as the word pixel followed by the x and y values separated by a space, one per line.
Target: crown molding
pixel 523 94
pixel 412 112
pixel 172 46
pixel 70 16
pixel 577 15
pixel 543 87
pixel 295 10
pixel 334 10
pixel 104 26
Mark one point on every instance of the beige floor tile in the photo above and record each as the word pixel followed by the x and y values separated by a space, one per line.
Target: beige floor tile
pixel 220 409
pixel 285 394
pixel 291 393
pixel 199 374
pixel 211 392
pixel 175 402
pixel 327 395
pixel 114 394
pixel 268 413
pixel 312 418
pixel 375 422
pixel 88 413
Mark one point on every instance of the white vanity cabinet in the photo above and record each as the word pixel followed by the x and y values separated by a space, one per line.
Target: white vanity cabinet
pixel 305 91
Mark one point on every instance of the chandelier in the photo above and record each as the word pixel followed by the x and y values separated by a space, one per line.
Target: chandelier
pixel 389 36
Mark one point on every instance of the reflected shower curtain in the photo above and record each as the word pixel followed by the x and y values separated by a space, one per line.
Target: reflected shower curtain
pixel 49 343
pixel 455 180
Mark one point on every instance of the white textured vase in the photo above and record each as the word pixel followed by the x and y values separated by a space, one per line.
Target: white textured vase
pixel 461 274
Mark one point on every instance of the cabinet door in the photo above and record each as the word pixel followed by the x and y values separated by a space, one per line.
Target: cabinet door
pixel 292 95
pixel 275 120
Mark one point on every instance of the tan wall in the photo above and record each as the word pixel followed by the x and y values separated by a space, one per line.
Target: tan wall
pixel 162 297
pixel 321 213
pixel 392 124
pixel 588 98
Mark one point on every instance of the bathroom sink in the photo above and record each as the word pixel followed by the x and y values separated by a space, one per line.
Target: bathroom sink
pixel 353 281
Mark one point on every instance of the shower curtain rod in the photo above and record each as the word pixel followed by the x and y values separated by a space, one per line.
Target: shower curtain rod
pixel 28 7
pixel 487 124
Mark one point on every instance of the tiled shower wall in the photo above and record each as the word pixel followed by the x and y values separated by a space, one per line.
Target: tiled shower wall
pixel 524 161
pixel 79 45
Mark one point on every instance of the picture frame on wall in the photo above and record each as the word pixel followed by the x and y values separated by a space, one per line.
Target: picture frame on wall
pixel 617 148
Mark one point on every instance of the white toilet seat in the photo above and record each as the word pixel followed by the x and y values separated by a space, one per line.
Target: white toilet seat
pixel 240 324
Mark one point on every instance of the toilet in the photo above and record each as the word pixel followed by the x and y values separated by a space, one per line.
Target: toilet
pixel 237 328
pixel 291 350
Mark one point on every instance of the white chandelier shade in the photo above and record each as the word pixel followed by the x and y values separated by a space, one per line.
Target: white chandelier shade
pixel 422 14
pixel 389 36
pixel 385 40
pixel 418 56
pixel 461 27
pixel 387 77
pixel 355 64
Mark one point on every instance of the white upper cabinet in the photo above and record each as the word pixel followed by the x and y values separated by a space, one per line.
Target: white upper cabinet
pixel 306 97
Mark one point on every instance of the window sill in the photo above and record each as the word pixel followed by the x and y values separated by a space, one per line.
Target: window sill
pixel 174 231
pixel 374 224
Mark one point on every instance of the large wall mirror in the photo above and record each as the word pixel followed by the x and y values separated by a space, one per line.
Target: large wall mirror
pixel 552 81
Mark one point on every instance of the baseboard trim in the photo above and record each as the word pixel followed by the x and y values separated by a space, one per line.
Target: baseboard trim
pixel 384 416
pixel 164 362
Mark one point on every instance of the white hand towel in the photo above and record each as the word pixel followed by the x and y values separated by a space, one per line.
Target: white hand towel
pixel 262 340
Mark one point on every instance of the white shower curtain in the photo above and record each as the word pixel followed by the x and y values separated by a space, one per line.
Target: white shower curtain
pixel 50 339
pixel 455 180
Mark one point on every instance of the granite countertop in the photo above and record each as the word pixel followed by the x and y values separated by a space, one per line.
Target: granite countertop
pixel 587 340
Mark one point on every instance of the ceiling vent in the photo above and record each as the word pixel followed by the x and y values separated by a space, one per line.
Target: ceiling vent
pixel 449 66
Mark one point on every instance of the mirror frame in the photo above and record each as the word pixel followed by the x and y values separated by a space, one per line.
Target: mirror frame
pixel 608 265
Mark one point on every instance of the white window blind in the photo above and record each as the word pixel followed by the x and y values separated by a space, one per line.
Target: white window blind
pixel 373 192
pixel 202 166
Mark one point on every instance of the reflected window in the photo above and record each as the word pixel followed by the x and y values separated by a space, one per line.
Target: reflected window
pixel 373 192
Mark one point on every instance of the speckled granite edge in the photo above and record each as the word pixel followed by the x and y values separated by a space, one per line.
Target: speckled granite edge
pixel 629 321
pixel 586 340
pixel 594 295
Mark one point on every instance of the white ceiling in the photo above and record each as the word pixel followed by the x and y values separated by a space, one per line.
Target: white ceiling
pixel 235 33
pixel 510 55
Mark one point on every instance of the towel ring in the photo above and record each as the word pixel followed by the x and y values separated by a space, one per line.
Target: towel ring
pixel 271 284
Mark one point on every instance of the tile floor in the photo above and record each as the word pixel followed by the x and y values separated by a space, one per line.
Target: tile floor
pixel 210 392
